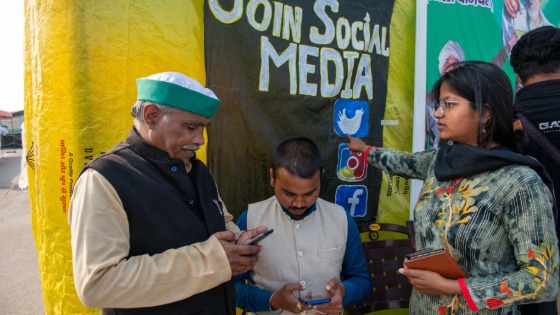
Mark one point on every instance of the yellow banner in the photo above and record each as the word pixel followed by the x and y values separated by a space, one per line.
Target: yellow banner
pixel 82 59
pixel 395 191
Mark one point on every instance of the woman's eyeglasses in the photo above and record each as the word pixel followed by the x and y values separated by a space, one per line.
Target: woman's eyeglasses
pixel 444 105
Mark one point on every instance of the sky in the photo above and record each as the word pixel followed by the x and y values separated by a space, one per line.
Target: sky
pixel 11 55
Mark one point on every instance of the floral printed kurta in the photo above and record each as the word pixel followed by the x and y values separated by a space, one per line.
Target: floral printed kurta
pixel 498 225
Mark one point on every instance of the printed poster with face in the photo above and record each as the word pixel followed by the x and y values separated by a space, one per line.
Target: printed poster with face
pixel 460 30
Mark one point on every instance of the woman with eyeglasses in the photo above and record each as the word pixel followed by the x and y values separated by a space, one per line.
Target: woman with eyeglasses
pixel 491 208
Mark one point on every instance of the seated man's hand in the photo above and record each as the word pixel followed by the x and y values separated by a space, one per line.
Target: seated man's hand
pixel 335 290
pixel 284 299
pixel 242 258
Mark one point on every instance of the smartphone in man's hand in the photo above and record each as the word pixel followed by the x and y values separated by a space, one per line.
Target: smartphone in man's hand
pixel 314 300
pixel 255 240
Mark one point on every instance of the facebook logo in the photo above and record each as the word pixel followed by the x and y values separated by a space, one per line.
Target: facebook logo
pixel 353 199
pixel 351 117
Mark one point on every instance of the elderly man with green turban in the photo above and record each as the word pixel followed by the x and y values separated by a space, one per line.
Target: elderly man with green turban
pixel 150 234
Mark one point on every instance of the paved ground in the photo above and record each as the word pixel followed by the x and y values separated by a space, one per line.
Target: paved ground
pixel 20 287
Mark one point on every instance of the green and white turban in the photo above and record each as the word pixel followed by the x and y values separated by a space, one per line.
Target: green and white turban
pixel 177 90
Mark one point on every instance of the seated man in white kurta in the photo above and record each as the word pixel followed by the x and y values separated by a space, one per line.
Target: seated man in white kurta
pixel 315 249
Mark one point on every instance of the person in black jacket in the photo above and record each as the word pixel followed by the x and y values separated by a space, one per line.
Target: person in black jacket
pixel 535 58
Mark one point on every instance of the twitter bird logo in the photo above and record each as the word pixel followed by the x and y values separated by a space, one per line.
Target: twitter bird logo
pixel 350 125
pixel 351 117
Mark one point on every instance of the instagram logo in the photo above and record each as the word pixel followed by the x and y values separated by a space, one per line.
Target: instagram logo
pixel 351 167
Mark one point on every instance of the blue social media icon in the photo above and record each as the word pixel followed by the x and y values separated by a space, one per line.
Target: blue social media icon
pixel 351 117
pixel 353 199
pixel 351 166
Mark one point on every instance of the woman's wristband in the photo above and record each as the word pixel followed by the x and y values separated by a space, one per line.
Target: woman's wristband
pixel 367 151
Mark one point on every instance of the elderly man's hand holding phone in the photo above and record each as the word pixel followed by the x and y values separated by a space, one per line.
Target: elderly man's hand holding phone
pixel 242 256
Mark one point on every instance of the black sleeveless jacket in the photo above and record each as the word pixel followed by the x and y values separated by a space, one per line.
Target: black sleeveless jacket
pixel 166 208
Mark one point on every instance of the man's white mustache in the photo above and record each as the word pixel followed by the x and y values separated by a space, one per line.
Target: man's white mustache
pixel 191 147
